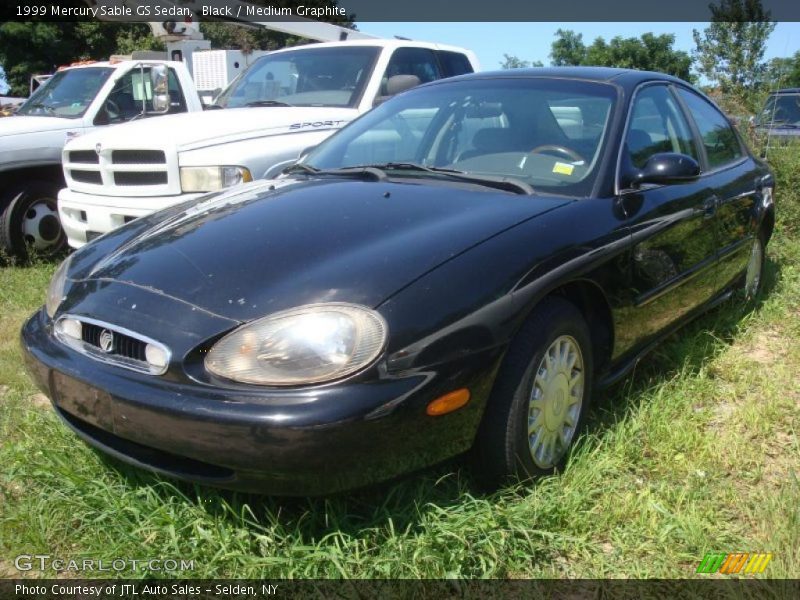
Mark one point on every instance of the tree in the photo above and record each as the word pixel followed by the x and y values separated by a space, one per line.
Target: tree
pixel 568 49
pixel 730 51
pixel 783 72
pixel 649 52
pixel 512 62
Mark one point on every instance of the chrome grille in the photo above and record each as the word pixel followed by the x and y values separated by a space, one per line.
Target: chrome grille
pixel 110 344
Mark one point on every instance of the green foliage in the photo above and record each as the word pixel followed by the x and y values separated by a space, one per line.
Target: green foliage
pixel 649 52
pixel 730 51
pixel 513 62
pixel 783 72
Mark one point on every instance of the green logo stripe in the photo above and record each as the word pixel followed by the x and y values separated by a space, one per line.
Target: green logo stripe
pixel 711 562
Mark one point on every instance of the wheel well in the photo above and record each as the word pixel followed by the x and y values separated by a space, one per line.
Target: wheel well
pixel 10 179
pixel 592 302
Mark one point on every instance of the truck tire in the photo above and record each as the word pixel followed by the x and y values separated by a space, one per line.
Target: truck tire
pixel 29 221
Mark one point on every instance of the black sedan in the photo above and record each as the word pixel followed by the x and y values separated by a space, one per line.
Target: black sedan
pixel 461 268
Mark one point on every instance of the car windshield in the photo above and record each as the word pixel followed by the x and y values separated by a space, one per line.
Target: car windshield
pixel 308 77
pixel 537 132
pixel 67 94
pixel 781 109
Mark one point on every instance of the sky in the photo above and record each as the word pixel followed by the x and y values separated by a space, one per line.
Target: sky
pixel 531 41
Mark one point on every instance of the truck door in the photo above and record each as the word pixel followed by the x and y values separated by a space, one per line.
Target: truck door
pixel 132 97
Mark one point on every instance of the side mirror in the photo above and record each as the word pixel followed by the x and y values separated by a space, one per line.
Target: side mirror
pixel 665 168
pixel 159 81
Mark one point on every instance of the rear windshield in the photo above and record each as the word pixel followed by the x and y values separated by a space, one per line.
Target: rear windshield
pixel 781 109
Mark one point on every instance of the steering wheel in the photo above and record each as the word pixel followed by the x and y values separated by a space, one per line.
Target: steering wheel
pixel 560 150
pixel 113 109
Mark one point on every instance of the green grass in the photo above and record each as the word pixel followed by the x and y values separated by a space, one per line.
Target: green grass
pixel 698 451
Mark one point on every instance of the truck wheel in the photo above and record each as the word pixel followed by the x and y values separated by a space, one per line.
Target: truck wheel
pixel 29 222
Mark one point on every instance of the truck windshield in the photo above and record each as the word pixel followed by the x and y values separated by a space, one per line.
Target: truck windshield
pixel 303 77
pixel 781 109
pixel 67 93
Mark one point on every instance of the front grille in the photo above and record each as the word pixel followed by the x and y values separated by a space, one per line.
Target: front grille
pixel 112 344
pixel 123 345
pixel 84 156
pixel 87 176
pixel 140 177
pixel 138 157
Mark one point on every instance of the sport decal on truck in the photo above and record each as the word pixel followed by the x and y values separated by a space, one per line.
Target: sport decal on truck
pixel 317 124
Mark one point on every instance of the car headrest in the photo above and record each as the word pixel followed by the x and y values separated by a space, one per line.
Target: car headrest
pixel 494 139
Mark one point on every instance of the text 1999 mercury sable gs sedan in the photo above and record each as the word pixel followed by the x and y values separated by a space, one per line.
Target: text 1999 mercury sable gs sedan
pixel 459 268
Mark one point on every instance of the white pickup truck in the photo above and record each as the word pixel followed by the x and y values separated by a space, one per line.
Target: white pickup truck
pixel 284 103
pixel 71 103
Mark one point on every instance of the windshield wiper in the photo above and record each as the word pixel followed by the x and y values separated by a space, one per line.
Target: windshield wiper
pixel 510 184
pixel 365 172
pixel 267 103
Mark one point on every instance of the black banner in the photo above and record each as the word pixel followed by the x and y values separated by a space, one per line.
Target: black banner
pixel 379 10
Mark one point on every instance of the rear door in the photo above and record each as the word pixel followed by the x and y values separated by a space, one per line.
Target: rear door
pixel 733 175
pixel 672 226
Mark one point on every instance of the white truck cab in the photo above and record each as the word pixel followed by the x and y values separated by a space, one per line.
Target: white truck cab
pixel 71 103
pixel 284 103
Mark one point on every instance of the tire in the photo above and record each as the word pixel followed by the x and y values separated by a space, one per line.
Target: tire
pixel 753 280
pixel 503 448
pixel 30 221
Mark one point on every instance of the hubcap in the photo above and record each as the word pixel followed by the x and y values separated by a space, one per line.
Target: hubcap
pixel 40 226
pixel 753 276
pixel 555 402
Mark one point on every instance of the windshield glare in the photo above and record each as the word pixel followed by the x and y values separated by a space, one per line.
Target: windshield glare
pixel 545 132
pixel 307 77
pixel 781 109
pixel 67 93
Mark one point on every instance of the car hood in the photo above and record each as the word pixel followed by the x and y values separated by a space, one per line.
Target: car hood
pixel 269 246
pixel 195 130
pixel 20 124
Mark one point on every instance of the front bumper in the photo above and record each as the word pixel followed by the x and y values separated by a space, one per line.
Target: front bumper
pixel 283 442
pixel 85 216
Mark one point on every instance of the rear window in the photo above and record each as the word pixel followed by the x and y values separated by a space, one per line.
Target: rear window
pixel 454 63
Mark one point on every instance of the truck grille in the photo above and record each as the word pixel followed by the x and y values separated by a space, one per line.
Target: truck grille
pixel 140 177
pixel 89 157
pixel 138 157
pixel 129 172
pixel 87 176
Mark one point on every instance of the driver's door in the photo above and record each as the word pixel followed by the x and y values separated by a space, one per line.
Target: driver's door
pixel 132 97
pixel 673 226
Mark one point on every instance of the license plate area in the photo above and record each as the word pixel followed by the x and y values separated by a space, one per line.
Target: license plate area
pixel 83 401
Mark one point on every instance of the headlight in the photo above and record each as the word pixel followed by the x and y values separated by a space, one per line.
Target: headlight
pixel 55 291
pixel 211 179
pixel 309 344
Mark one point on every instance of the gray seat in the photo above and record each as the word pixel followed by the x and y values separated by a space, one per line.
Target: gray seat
pixel 491 140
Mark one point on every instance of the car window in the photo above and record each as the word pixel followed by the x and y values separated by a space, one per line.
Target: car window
pixel 781 109
pixel 657 125
pixel 414 61
pixel 719 139
pixel 547 132
pixel 133 94
pixel 454 63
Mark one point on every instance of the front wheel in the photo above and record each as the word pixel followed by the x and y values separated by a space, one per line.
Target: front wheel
pixel 540 398
pixel 30 221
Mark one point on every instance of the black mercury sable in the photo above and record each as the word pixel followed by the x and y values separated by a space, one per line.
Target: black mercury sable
pixel 460 268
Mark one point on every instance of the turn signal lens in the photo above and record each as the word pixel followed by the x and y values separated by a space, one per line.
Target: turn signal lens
pixel 448 403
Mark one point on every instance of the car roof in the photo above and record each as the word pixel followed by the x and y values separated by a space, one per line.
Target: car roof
pixel 627 78
pixel 787 91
